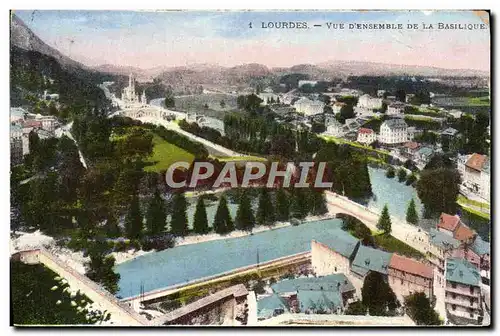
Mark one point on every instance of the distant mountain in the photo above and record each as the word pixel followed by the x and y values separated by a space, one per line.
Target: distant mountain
pixel 22 37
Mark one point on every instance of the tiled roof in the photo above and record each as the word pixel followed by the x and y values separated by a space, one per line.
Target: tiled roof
pixel 448 222
pixel 334 282
pixel 476 161
pixel 463 233
pixel 342 243
pixel 442 239
pixel 371 259
pixel 365 131
pixel 267 306
pixel 411 145
pixel 480 246
pixel 463 272
pixel 395 123
pixel 319 300
pixel 411 266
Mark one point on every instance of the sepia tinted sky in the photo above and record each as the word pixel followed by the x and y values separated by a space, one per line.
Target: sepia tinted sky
pixel 150 39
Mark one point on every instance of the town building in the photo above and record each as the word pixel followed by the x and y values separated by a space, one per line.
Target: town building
pixel 337 107
pixel 393 131
pixel 412 131
pixel 441 247
pixel 369 102
pixel 366 136
pixel 16 145
pixel 408 276
pixel 409 97
pixel 335 128
pixel 368 259
pixel 317 295
pixel 423 155
pixel 269 98
pixel 309 107
pixel 450 132
pixel 17 114
pixel 475 172
pixel 395 109
pixel 335 255
pixel 409 149
pixel 462 290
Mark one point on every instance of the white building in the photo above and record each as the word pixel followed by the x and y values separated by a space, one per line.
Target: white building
pixel 304 82
pixel 130 97
pixel 475 172
pixel 335 128
pixel 309 107
pixel 268 98
pixel 393 131
pixel 367 101
pixel 366 136
pixel 395 109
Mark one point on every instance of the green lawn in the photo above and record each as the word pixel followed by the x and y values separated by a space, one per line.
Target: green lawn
pixel 479 101
pixel 391 244
pixel 463 200
pixel 475 212
pixel 164 154
pixel 250 158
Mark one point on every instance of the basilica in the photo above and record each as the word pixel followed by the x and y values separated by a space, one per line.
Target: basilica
pixel 130 98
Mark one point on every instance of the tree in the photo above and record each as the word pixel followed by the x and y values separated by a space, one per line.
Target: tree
pixel 355 308
pixel 401 175
pixel 112 227
pixel 378 296
pixel 317 202
pixel 384 222
pixel 282 205
pixel 400 95
pixel 391 172
pixel 411 179
pixel 134 219
pixel 100 268
pixel 300 205
pixel 411 213
pixel 438 190
pixel 245 219
pixel 265 211
pixel 222 220
pixel 200 224
pixel 156 216
pixel 419 308
pixel 169 99
pixel 179 222
pixel 346 112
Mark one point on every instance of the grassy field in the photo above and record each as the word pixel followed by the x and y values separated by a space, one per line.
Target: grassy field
pixel 463 200
pixel 164 154
pixel 475 212
pixel 479 101
pixel 391 244
pixel 250 158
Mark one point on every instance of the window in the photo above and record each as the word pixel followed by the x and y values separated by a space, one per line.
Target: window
pixel 335 268
pixel 453 307
pixel 401 281
pixel 472 289
pixel 454 295
pixel 453 285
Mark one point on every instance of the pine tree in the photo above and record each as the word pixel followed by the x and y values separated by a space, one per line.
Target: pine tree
pixel 200 224
pixel 222 221
pixel 134 219
pixel 179 222
pixel 245 219
pixel 411 213
pixel 300 204
pixel 156 217
pixel 282 205
pixel 265 211
pixel 384 222
pixel 112 228
pixel 318 202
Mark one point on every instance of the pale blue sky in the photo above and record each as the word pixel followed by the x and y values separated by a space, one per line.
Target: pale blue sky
pixel 149 39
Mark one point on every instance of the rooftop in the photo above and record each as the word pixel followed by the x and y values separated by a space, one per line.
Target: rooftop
pixel 343 243
pixel 411 266
pixel 476 161
pixel 395 123
pixel 462 271
pixel 268 305
pixel 370 259
pixel 316 300
pixel 334 282
pixel 411 145
pixel 365 131
pixel 448 222
pixel 463 233
pixel 442 239
pixel 480 246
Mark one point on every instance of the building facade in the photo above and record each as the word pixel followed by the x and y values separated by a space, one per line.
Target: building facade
pixel 393 131
pixel 369 102
pixel 366 136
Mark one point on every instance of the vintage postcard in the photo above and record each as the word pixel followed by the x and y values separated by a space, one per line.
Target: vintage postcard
pixel 250 168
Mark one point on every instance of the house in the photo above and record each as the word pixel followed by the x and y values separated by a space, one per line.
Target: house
pixel 393 131
pixel 368 259
pixel 455 113
pixel 17 114
pixel 475 172
pixel 328 294
pixel 334 254
pixel 450 132
pixel 395 109
pixel 409 97
pixel 337 107
pixel 407 276
pixel 441 247
pixel 412 131
pixel 423 155
pixel 353 124
pixel 462 290
pixel 268 98
pixel 410 148
pixel 309 107
pixel 367 101
pixel 448 223
pixel 335 128
pixel 366 136
pixel 482 249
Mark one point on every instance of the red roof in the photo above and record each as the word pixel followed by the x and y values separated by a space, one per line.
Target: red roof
pixel 32 123
pixel 463 233
pixel 448 222
pixel 365 130
pixel 411 145
pixel 411 266
pixel 476 161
